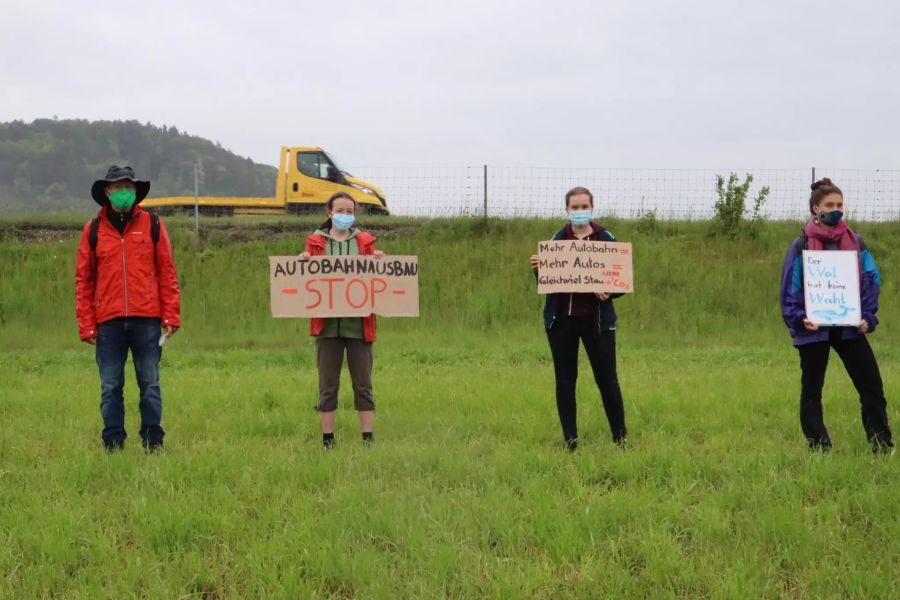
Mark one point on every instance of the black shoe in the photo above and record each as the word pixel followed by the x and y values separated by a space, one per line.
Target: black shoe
pixel 571 444
pixel 328 442
pixel 114 445
pixel 880 447
pixel 823 445
pixel 368 438
pixel 153 447
pixel 621 441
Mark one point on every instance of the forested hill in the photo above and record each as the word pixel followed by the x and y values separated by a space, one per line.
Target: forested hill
pixel 49 164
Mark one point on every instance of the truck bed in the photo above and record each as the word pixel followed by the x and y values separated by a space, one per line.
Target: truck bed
pixel 230 201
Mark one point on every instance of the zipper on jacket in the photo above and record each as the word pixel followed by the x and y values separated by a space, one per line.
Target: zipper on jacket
pixel 340 252
pixel 572 296
pixel 125 276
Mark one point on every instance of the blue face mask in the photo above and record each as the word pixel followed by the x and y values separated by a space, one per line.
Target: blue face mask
pixel 831 218
pixel 580 217
pixel 342 222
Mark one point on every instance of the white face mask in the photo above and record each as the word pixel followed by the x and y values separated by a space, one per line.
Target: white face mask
pixel 580 217
pixel 342 222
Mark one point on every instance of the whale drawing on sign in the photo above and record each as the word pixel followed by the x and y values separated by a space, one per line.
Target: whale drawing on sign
pixel 831 314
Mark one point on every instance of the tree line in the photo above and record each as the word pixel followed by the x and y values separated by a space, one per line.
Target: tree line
pixel 49 164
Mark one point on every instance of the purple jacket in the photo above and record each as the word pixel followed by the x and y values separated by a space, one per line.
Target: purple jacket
pixel 793 305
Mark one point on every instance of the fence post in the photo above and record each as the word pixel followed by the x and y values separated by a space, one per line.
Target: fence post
pixel 485 193
pixel 197 198
pixel 813 175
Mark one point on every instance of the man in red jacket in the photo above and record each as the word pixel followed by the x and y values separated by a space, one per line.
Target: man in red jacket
pixel 126 295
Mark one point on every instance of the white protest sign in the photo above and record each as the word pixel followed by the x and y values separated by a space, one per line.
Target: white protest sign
pixel 831 287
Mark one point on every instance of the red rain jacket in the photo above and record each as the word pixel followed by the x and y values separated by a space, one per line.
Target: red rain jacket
pixel 315 245
pixel 127 276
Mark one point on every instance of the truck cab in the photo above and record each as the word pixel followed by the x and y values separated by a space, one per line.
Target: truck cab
pixel 308 176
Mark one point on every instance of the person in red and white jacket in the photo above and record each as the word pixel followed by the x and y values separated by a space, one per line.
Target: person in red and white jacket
pixel 126 298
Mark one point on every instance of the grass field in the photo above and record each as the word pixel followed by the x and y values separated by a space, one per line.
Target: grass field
pixel 467 492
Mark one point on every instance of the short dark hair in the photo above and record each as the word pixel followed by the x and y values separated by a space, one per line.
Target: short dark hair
pixel 820 189
pixel 576 191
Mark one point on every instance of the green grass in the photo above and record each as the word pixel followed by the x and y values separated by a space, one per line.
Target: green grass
pixel 467 493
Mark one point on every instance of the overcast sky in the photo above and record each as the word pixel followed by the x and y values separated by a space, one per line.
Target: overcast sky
pixel 712 84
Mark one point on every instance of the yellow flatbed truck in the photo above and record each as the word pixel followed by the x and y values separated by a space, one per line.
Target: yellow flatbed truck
pixel 307 177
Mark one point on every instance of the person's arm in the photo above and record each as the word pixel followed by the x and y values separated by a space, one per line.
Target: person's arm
pixel 370 249
pixel 869 289
pixel 793 306
pixel 169 293
pixel 85 288
pixel 610 237
pixel 307 249
pixel 534 257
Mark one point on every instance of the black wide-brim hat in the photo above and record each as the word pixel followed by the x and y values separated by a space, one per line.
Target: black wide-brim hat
pixel 117 173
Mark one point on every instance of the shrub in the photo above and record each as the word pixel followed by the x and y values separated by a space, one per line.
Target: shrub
pixel 648 223
pixel 731 206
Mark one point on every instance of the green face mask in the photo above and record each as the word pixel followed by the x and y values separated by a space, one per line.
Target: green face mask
pixel 122 200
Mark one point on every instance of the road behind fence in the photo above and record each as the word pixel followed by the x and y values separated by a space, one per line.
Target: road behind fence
pixel 870 194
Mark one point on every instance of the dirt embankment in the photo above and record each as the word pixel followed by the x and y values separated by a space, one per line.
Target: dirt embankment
pixel 39 233
pixel 36 232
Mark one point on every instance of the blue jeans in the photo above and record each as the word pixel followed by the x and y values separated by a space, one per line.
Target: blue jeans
pixel 114 339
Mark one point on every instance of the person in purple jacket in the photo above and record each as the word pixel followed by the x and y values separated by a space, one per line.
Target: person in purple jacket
pixel 826 230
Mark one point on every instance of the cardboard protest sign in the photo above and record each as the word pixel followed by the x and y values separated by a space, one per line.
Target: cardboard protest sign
pixel 579 266
pixel 344 286
pixel 831 287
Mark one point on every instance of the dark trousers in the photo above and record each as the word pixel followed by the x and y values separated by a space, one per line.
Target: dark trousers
pixel 564 337
pixel 330 359
pixel 859 360
pixel 114 339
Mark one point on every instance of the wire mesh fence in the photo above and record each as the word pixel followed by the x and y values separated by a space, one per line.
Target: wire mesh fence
pixel 687 194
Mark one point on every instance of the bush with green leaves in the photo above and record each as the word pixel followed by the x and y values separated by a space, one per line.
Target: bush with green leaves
pixel 731 207
pixel 648 222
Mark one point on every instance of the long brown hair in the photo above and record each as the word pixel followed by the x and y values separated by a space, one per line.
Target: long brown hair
pixel 328 205
pixel 820 189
